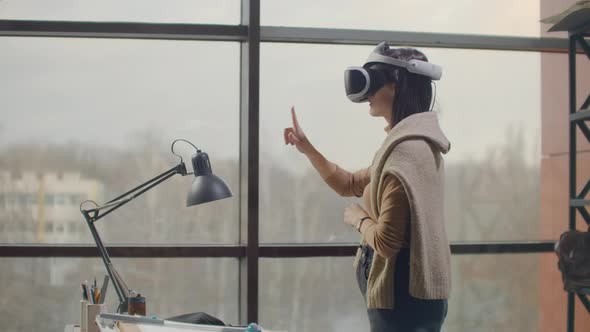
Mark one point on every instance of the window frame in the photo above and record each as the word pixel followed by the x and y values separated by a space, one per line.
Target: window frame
pixel 250 35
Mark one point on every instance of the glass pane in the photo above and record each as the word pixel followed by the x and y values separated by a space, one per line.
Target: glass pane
pixel 490 293
pixel 505 17
pixel 310 294
pixel 488 297
pixel 94 118
pixel 154 11
pixel 489 106
pixel 44 293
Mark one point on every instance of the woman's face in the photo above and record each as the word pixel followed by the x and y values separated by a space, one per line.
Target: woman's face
pixel 381 103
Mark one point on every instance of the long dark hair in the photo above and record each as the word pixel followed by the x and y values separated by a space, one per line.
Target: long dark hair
pixel 413 92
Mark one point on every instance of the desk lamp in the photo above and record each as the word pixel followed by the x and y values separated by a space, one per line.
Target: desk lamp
pixel 206 187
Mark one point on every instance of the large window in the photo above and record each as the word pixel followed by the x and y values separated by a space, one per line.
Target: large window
pixel 154 11
pixel 488 102
pixel 505 17
pixel 90 118
pixel 44 293
pixel 93 118
pixel 311 294
pixel 321 294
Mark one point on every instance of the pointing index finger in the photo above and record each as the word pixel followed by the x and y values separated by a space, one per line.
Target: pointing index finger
pixel 295 122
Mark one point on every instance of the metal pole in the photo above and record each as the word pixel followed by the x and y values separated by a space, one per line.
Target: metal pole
pixel 572 163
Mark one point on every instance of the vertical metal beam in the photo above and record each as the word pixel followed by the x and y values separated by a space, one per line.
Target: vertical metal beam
pixel 572 169
pixel 582 42
pixel 249 161
pixel 572 130
pixel 585 301
pixel 571 303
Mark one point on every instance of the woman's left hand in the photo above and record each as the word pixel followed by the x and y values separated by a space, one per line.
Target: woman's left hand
pixel 353 215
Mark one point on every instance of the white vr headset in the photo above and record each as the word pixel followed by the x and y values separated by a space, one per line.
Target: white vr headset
pixel 362 82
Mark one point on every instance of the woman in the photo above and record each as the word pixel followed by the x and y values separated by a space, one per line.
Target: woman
pixel 403 263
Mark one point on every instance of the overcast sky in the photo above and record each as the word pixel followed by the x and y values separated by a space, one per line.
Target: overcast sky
pixel 106 91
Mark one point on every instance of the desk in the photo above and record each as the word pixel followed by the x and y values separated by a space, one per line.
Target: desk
pixel 135 321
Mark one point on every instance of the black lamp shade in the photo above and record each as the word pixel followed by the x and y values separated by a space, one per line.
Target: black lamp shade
pixel 206 186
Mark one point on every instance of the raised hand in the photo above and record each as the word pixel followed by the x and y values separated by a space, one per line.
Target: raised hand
pixel 295 135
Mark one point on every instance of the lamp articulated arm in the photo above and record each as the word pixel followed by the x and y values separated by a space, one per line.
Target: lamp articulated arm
pixel 97 213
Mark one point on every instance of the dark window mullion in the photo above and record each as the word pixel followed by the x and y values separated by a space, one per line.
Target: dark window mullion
pixel 249 161
pixel 126 251
pixel 268 251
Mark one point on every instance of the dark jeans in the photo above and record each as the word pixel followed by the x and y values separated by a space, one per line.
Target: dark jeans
pixel 410 314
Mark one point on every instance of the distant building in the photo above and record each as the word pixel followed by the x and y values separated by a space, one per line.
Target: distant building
pixel 45 207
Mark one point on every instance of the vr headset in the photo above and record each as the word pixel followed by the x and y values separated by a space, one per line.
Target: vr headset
pixel 362 82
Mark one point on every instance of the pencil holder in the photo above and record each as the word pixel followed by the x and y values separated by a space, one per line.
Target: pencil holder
pixel 83 316
pixel 93 311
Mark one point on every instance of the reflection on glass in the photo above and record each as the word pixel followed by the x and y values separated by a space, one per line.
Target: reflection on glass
pixel 155 11
pixel 500 17
pixel 92 119
pixel 489 107
pixel 44 293
pixel 490 293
